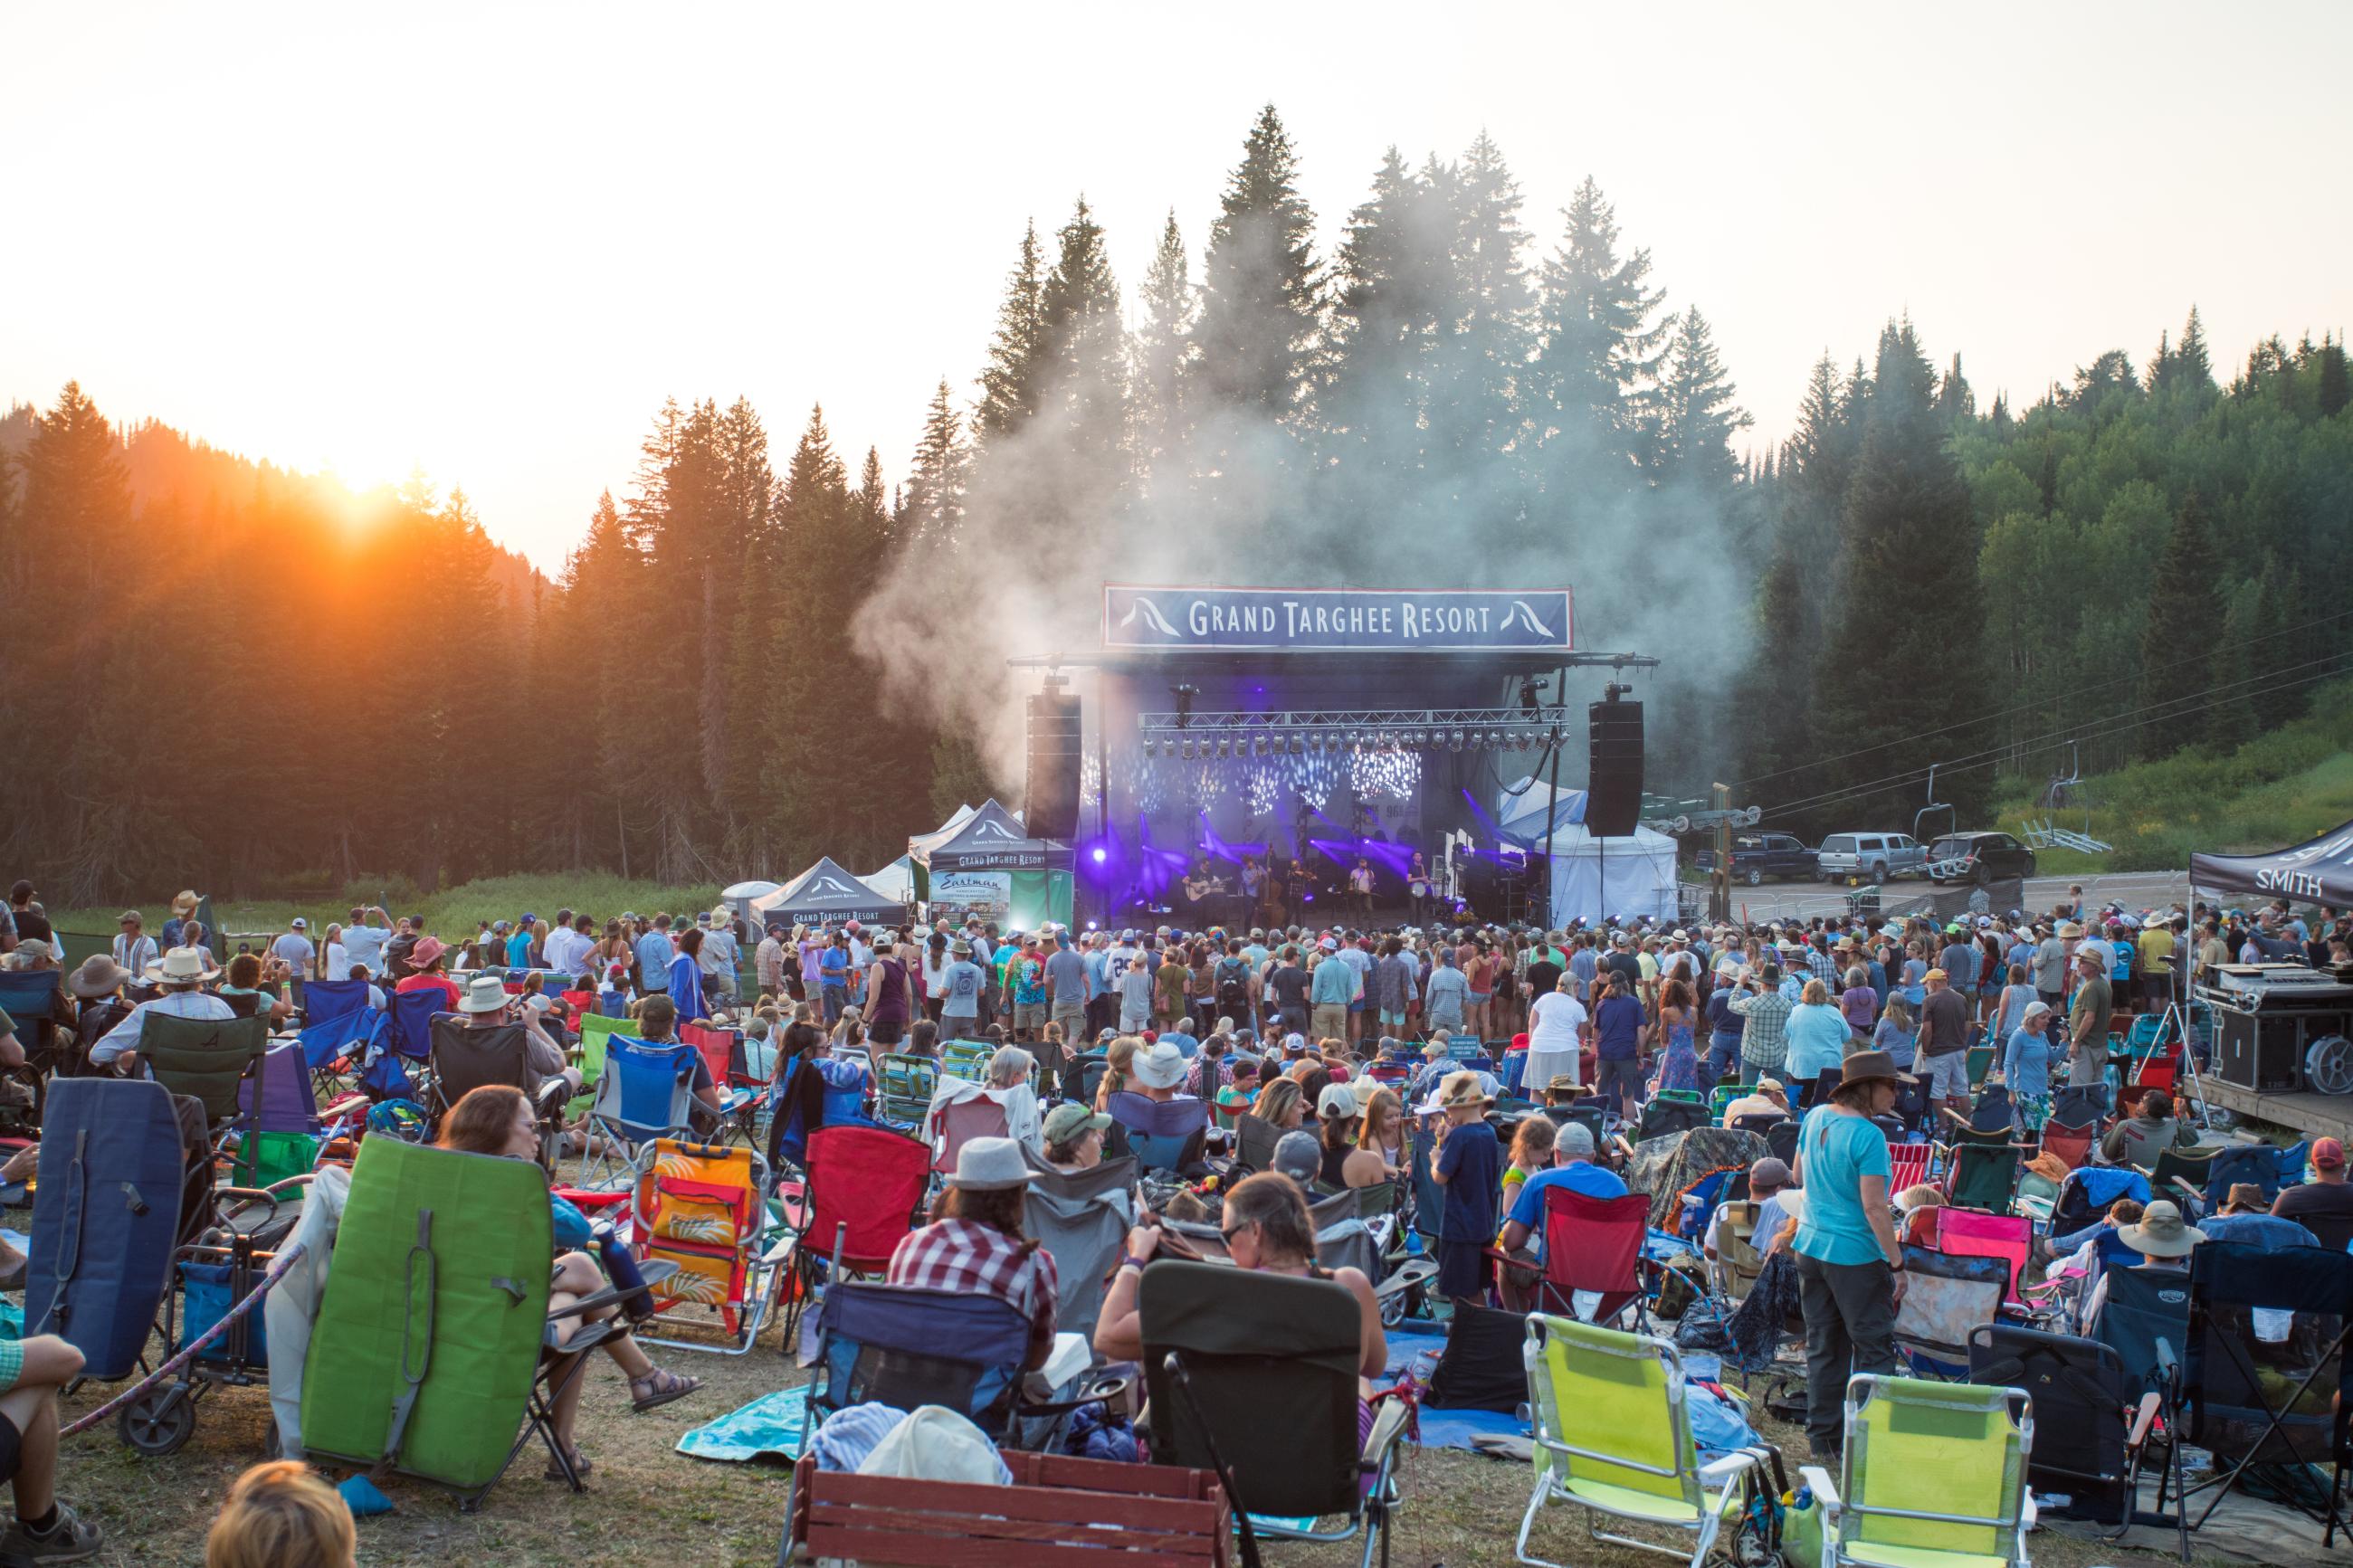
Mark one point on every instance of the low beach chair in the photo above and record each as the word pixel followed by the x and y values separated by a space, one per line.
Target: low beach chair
pixel 1933 1476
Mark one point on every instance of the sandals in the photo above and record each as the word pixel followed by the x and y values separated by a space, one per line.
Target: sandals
pixel 581 1467
pixel 658 1388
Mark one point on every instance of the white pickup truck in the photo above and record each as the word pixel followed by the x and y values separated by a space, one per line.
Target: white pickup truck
pixel 1871 857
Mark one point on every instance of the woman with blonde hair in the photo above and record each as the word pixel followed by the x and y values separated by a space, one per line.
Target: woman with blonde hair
pixel 279 1515
pixel 1384 1129
pixel 1282 1102
pixel 1119 1061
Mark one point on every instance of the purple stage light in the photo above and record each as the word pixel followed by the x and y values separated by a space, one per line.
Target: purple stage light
pixel 1099 854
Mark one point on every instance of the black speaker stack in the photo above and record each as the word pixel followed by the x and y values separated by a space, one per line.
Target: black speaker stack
pixel 1051 791
pixel 1613 801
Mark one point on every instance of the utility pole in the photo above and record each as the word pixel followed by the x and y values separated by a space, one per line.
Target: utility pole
pixel 1719 898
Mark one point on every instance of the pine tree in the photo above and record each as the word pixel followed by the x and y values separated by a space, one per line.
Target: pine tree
pixel 2184 608
pixel 1601 344
pixel 1956 404
pixel 1082 352
pixel 2336 390
pixel 1161 359
pixel 1011 384
pixel 1911 606
pixel 1390 295
pixel 2229 720
pixel 2280 611
pixel 934 499
pixel 1691 443
pixel 2192 366
pixel 1486 334
pixel 1261 285
pixel 1769 729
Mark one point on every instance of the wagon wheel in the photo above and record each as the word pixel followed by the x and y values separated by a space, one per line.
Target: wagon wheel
pixel 159 1421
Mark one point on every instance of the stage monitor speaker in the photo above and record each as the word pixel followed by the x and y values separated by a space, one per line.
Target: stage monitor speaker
pixel 1050 794
pixel 2263 1051
pixel 1613 801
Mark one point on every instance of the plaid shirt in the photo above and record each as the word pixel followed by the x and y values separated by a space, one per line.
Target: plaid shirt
pixel 1193 1077
pixel 1765 1041
pixel 957 1255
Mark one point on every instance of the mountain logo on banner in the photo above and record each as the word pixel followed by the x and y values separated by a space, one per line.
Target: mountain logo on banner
pixel 832 887
pixel 1520 613
pixel 989 828
pixel 1150 612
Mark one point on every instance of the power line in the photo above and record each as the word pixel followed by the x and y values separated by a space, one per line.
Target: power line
pixel 2022 706
pixel 2125 722
pixel 1917 771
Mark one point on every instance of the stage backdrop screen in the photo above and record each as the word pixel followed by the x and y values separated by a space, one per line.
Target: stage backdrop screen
pixel 1337 620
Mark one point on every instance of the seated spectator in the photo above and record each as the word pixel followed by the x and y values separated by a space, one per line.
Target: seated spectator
pixel 1009 1072
pixel 2324 1205
pixel 1768 1179
pixel 182 974
pixel 2139 1139
pixel 279 1515
pixel 1241 1088
pixel 2163 1238
pixel 1917 1216
pixel 1281 1104
pixel 425 962
pixel 1767 1098
pixel 975 1242
pixel 2246 1219
pixel 45 1530
pixel 1573 1168
pixel 487 1005
pixel 497 1119
pixel 245 981
pixel 1074 1137
pixel 1342 1160
pixel 657 1026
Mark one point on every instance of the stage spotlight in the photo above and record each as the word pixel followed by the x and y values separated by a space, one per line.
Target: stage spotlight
pixel 1258 745
pixel 1188 748
pixel 1297 745
pixel 1458 740
pixel 1531 694
pixel 1151 746
pixel 1225 746
pixel 1101 855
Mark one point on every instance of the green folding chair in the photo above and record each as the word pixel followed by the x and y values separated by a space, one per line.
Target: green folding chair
pixel 904 1094
pixel 1934 1476
pixel 1623 1398
pixel 1981 1063
pixel 1720 1100
pixel 596 1029
pixel 966 1060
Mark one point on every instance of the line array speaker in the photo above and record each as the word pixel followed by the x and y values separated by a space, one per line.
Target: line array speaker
pixel 1050 793
pixel 1613 802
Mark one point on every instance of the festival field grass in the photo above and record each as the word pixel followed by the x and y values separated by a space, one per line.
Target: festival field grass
pixel 647 1503
pixel 453 914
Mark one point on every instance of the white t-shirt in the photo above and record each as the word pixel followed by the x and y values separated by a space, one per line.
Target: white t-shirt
pixel 1553 1019
pixel 364 945
pixel 338 962
pixel 295 948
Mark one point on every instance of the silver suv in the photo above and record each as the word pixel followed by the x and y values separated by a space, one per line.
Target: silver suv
pixel 1873 856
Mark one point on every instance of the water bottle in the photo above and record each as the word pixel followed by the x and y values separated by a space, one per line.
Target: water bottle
pixel 1803 1501
pixel 1412 1242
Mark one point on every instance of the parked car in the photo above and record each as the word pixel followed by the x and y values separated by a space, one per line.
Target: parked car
pixel 1873 856
pixel 1756 855
pixel 1979 858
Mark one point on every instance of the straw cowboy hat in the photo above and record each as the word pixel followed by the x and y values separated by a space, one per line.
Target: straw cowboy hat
pixel 2161 1232
pixel 182 965
pixel 1460 1090
pixel 99 977
pixel 484 994
pixel 991 1165
pixel 185 904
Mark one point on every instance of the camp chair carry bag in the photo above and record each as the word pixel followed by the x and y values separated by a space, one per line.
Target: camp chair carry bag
pixel 429 1336
pixel 106 1215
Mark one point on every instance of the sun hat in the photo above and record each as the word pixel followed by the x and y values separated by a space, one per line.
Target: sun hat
pixel 1563 1083
pixel 1362 1088
pixel 427 949
pixel 97 976
pixel 1069 1119
pixel 1460 1090
pixel 1864 1066
pixel 990 1165
pixel 484 994
pixel 961 948
pixel 2069 932
pixel 128 917
pixel 1337 1102
pixel 2033 1010
pixel 1162 1066
pixel 2161 1232
pixel 183 963
pixel 1793 1202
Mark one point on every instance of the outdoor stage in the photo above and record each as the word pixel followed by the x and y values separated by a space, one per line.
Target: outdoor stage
pixel 1223 724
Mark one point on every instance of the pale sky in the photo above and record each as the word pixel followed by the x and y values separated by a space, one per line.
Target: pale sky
pixel 490 240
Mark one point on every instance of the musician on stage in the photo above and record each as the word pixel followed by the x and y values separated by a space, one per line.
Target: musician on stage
pixel 1360 890
pixel 1417 888
pixel 1254 895
pixel 1200 887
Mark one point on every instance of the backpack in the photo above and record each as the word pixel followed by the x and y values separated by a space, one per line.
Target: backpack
pixel 1233 988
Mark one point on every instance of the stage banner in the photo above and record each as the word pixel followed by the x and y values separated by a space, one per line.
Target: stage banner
pixel 1337 620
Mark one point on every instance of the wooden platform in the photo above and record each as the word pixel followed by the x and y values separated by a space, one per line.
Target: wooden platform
pixel 2316 1115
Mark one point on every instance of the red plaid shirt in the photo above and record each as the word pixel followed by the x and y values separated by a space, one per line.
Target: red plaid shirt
pixel 957 1255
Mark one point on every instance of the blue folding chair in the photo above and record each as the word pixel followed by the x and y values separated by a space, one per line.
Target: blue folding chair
pixel 30 995
pixel 645 1092
pixel 336 1016
pixel 1159 1131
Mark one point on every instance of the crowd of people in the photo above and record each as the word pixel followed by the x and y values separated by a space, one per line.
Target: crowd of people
pixel 1341 1039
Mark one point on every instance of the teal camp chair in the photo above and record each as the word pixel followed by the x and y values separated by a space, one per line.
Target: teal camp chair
pixel 904 1096
pixel 966 1060
pixel 1934 1476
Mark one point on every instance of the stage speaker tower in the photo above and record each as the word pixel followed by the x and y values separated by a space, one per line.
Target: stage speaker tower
pixel 1613 802
pixel 1050 793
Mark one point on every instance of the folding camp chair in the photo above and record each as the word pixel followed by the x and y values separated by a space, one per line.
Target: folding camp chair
pixel 1591 1246
pixel 966 1059
pixel 722 1057
pixel 1946 1295
pixel 1981 1063
pixel 1082 1218
pixel 1970 1234
pixel 1254 1375
pixel 2094 1424
pixel 1737 1260
pixel 2254 1162
pixel 1663 1117
pixel 904 1097
pixel 645 1091
pixel 1781 1141
pixel 338 1021
pixel 1613 1436
pixel 2072 1145
pixel 2267 1377
pixel 1980 1169
pixel 278 1131
pixel 30 995
pixel 466 1058
pixel 956 1120
pixel 2146 1321
pixel 1163 1134
pixel 864 1190
pixel 204 1058
pixel 701 1207
pixel 1907 1166
pixel 2181 1173
pixel 1993 1111
pixel 1720 1098
pixel 1933 1476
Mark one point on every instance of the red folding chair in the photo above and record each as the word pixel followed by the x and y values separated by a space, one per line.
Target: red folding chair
pixel 2072 1144
pixel 864 1190
pixel 721 1050
pixel 1910 1166
pixel 1976 1234
pixel 960 1121
pixel 1593 1245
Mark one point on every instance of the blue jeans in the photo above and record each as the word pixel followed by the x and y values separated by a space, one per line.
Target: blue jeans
pixel 1723 1056
pixel 835 998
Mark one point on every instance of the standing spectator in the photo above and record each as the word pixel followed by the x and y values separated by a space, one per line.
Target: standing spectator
pixel 2050 968
pixel 1556 1021
pixel 1446 997
pixel 1168 989
pixel 768 960
pixel 961 985
pixel 1289 986
pixel 1816 1033
pixel 891 996
pixel 176 931
pixel 364 940
pixel 686 979
pixel 1619 1032
pixel 1849 1264
pixel 833 970
pixel 1763 1013
pixel 720 959
pixel 23 919
pixel 1468 1164
pixel 1066 990
pixel 293 949
pixel 1859 1005
pixel 654 954
pixel 2087 1026
pixel 1333 987
pixel 1724 1028
pixel 133 949
pixel 2026 1069
pixel 1944 1044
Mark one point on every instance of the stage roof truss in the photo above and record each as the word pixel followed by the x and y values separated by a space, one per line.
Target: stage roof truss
pixel 1295 730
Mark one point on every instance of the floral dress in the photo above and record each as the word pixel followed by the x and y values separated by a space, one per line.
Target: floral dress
pixel 1679 1064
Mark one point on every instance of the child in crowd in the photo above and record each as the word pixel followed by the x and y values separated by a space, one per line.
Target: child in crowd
pixel 1469 1165
pixel 279 1515
pixel 1531 1151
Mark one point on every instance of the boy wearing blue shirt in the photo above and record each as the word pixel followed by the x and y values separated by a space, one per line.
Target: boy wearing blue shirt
pixel 1468 1164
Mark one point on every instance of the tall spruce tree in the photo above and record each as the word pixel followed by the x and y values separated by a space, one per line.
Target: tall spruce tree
pixel 1691 438
pixel 1161 357
pixel 1082 352
pixel 1911 608
pixel 1600 343
pixel 1012 382
pixel 1390 295
pixel 2184 609
pixel 1261 286
pixel 1477 423
pixel 933 503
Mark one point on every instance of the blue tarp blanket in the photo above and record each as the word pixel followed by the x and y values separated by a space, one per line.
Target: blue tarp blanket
pixel 770 1426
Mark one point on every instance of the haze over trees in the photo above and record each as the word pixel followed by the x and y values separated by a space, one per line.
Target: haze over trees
pixel 225 674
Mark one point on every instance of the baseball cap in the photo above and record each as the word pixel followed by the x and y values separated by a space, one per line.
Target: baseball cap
pixel 299 923
pixel 1768 1172
pixel 1296 1156
pixel 1069 1119
pixel 1575 1138
pixel 2328 1155
pixel 1337 1102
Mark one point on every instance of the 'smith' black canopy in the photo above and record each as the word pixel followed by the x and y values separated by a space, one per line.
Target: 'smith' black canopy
pixel 2320 871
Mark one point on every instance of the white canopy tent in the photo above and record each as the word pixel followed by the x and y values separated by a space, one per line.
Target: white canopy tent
pixel 739 896
pixel 896 880
pixel 1593 877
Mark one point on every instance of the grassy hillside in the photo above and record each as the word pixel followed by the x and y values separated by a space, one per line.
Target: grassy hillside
pixel 2277 789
